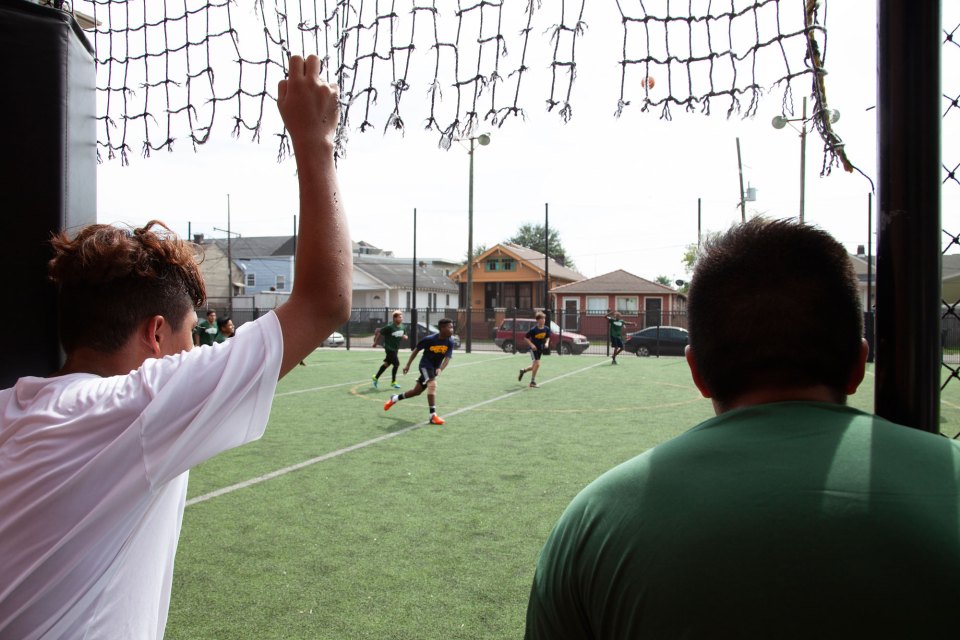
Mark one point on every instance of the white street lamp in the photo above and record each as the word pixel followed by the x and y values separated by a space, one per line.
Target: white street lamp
pixel 483 139
pixel 779 122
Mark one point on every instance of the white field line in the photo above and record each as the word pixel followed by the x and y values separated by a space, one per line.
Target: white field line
pixel 355 382
pixel 367 443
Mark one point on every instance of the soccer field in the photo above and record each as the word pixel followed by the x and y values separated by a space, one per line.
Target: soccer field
pixel 345 521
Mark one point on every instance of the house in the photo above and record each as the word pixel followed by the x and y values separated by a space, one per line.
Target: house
pixel 585 304
pixel 385 281
pixel 508 276
pixel 257 264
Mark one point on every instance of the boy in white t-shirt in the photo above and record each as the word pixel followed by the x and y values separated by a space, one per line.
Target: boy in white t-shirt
pixel 94 458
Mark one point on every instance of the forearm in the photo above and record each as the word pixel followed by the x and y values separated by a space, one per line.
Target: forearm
pixel 321 297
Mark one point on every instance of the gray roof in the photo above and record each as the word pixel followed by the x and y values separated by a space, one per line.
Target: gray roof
pixel 618 281
pixel 398 275
pixel 256 246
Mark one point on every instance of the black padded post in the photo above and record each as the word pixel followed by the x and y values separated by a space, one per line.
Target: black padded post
pixel 49 174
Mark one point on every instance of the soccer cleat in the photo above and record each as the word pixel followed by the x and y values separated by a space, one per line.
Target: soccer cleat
pixel 395 385
pixel 534 385
pixel 614 361
pixel 376 383
pixel 389 403
pixel 435 419
pixel 520 377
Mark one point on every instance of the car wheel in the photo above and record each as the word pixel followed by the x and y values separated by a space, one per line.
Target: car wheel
pixel 565 348
pixel 508 346
pixel 643 351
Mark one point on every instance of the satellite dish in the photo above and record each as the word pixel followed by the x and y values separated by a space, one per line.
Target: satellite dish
pixel 833 115
pixel 483 139
pixel 778 122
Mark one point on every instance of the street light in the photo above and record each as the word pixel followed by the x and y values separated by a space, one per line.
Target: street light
pixel 484 140
pixel 779 122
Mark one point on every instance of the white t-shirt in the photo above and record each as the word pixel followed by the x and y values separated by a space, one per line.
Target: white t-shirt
pixel 93 479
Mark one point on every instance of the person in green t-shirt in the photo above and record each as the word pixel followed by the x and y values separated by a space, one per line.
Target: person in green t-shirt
pixel 206 331
pixel 616 333
pixel 391 335
pixel 788 514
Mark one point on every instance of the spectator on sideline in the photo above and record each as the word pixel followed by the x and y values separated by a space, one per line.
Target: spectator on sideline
pixel 205 333
pixel 94 458
pixel 789 514
pixel 225 329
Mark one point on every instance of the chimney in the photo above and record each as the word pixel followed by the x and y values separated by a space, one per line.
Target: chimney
pixel 198 238
pixel 860 251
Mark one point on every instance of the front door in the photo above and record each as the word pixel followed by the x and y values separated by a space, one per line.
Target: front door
pixel 652 307
pixel 571 314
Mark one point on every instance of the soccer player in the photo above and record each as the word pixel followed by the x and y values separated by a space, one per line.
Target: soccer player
pixel 616 333
pixel 538 338
pixel 94 458
pixel 437 350
pixel 392 334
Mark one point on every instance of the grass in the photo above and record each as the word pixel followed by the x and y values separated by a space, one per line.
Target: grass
pixel 430 532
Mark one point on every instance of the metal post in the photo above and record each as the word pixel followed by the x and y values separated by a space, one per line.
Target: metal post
pixel 229 263
pixel 470 257
pixel 907 388
pixel 803 156
pixel 546 260
pixel 870 318
pixel 413 297
pixel 743 206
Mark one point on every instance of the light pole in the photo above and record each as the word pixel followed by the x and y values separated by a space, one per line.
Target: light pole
pixel 484 140
pixel 779 122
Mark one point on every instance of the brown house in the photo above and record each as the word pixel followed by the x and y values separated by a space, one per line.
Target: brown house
pixel 645 303
pixel 508 276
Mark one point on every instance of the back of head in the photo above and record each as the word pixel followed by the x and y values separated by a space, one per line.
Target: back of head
pixel 111 279
pixel 774 304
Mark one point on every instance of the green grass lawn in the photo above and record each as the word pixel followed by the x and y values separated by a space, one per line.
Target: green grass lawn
pixel 424 531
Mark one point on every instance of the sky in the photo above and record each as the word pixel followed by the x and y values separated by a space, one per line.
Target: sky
pixel 622 193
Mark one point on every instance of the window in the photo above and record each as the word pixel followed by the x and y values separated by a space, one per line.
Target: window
pixel 251 279
pixel 281 282
pixel 597 304
pixel 627 304
pixel 448 300
pixel 501 264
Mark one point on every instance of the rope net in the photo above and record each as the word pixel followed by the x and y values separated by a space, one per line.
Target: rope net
pixel 166 70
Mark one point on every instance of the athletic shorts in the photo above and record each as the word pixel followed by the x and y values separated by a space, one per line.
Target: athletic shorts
pixel 535 354
pixel 427 373
pixel 390 357
pixel 617 342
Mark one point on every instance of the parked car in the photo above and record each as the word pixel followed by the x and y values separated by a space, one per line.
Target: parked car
pixel 335 339
pixel 423 330
pixel 509 337
pixel 657 341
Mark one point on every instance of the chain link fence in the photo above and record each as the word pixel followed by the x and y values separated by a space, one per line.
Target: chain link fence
pixel 950 154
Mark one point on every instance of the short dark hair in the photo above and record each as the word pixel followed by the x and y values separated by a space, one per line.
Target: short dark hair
pixel 444 322
pixel 774 303
pixel 110 279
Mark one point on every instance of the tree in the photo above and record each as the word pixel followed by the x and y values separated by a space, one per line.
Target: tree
pixel 665 281
pixel 531 236
pixel 477 250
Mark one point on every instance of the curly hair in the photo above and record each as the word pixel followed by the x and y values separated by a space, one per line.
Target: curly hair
pixel 110 279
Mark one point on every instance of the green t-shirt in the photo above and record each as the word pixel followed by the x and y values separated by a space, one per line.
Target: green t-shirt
pixel 616 328
pixel 794 519
pixel 207 332
pixel 391 334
